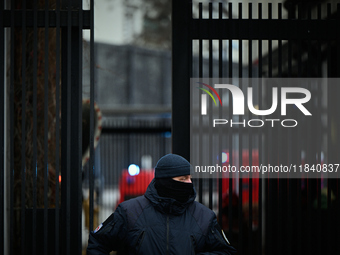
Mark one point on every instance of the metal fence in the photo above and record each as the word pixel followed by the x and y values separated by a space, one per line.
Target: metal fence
pixel 128 150
pixel 129 141
pixel 41 99
pixel 265 216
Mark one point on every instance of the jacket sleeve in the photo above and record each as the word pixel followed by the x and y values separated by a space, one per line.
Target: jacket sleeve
pixel 109 236
pixel 216 242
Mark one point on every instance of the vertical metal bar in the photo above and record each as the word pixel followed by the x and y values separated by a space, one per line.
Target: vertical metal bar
pixel 11 107
pixel 68 56
pixel 280 43
pixel 71 135
pixel 270 199
pixel 310 149
pixel 319 131
pixel 290 15
pixel 240 147
pixel 230 135
pixel 329 132
pixel 250 137
pixel 57 135
pixel 91 162
pixel 78 177
pixel 210 108
pixel 270 62
pixel 181 70
pixel 4 46
pixel 34 160
pixel 46 128
pixel 260 135
pixel 291 182
pixel 2 130
pixel 68 128
pixel 280 149
pixel 298 147
pixel 220 75
pixel 23 128
pixel 200 75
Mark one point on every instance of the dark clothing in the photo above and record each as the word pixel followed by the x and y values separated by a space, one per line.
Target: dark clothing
pixel 151 224
pixel 180 191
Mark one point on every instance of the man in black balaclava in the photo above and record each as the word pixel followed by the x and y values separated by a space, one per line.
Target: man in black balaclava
pixel 166 220
pixel 172 178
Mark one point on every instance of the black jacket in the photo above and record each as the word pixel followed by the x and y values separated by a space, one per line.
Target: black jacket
pixel 156 225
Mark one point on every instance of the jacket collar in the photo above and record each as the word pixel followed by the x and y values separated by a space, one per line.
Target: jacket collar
pixel 166 204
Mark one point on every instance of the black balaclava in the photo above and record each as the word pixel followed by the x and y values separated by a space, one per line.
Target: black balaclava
pixel 167 187
pixel 169 166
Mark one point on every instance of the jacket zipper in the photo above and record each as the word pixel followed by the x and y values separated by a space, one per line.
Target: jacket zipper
pixel 167 235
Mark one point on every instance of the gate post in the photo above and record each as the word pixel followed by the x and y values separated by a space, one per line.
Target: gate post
pixel 71 135
pixel 2 136
pixel 181 74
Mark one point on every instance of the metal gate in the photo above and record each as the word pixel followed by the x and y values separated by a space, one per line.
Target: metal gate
pixel 40 121
pixel 288 39
pixel 40 124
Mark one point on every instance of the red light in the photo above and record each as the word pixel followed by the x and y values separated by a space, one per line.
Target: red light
pixel 59 178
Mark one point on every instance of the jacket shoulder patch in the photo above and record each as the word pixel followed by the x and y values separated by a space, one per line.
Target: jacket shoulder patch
pixel 97 229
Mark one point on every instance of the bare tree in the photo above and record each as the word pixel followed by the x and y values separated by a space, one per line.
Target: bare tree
pixel 156 24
